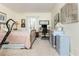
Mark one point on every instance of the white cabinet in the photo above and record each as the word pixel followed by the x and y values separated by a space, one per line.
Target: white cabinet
pixel 62 43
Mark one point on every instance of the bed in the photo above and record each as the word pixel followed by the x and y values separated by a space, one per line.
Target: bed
pixel 18 37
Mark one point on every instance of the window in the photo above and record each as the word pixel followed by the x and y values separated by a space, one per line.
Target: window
pixel 32 22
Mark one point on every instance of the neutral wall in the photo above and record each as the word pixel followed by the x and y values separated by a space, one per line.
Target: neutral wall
pixel 72 31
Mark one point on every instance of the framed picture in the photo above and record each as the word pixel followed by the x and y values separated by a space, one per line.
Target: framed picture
pixel 56 19
pixel 41 22
pixel 23 23
pixel 3 17
pixel 69 13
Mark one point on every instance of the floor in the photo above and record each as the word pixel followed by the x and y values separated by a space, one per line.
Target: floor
pixel 40 48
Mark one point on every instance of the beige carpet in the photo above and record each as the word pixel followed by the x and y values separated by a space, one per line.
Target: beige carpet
pixel 40 48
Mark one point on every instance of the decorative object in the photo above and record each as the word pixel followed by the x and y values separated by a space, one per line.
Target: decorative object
pixel 69 13
pixel 3 17
pixel 56 19
pixel 23 23
pixel 15 26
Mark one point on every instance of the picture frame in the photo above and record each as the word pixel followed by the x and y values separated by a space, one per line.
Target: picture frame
pixel 22 23
pixel 69 13
pixel 56 18
pixel 3 17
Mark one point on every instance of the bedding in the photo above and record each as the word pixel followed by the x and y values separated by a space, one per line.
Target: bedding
pixel 18 37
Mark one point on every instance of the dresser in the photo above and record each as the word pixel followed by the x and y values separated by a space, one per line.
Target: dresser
pixel 61 43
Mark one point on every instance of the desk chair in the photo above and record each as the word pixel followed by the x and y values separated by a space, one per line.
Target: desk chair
pixel 44 32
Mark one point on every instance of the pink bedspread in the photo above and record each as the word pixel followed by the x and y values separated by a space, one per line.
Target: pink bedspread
pixel 2 35
pixel 18 37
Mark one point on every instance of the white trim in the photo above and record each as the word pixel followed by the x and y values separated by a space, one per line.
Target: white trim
pixel 71 54
pixel 12 46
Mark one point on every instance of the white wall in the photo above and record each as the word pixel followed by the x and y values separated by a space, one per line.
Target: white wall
pixel 41 16
pixel 72 30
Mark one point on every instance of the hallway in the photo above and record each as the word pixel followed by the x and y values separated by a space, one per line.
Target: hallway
pixel 40 48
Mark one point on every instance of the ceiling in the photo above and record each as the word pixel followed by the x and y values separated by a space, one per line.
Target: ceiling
pixel 30 7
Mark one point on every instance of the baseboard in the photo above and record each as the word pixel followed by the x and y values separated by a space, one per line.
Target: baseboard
pixel 12 46
pixel 71 54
